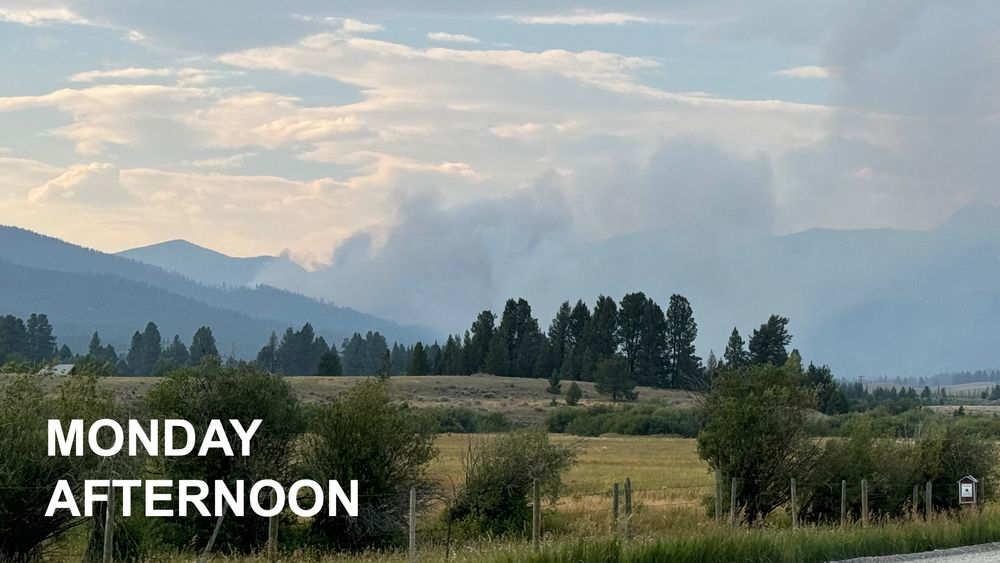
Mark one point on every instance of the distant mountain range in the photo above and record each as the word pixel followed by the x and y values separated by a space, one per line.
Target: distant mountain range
pixel 211 267
pixel 83 290
pixel 870 303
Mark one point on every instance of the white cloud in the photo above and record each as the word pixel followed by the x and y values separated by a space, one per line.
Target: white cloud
pixel 35 15
pixel 808 71
pixel 185 76
pixel 582 18
pixel 446 37
pixel 88 184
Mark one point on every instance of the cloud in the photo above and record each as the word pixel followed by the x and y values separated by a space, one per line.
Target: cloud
pixel 184 76
pixel 581 18
pixel 451 37
pixel 88 184
pixel 809 71
pixel 37 15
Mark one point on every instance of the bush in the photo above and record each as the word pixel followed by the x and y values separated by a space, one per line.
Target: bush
pixel 461 420
pixel 499 476
pixel 386 447
pixel 755 431
pixel 573 394
pixel 212 390
pixel 631 420
pixel 27 475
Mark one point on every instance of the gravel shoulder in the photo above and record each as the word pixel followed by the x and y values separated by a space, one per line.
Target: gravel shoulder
pixel 983 553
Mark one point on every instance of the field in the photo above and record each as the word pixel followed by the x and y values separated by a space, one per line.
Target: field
pixel 668 481
pixel 523 400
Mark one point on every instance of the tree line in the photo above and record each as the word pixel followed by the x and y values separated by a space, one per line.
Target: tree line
pixel 29 341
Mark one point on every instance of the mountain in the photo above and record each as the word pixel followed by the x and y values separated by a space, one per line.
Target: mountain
pixel 867 302
pixel 83 290
pixel 210 267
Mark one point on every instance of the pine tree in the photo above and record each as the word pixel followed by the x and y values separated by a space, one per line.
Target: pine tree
pixel 267 358
pixel 576 353
pixel 611 378
pixel 601 337
pixel 13 339
pixel 203 345
pixel 145 350
pixel 768 343
pixel 573 394
pixel 735 356
pixel 329 363
pixel 498 357
pixel 419 363
pixel 685 369
pixel 482 333
pixel 177 352
pixel 520 333
pixel 41 342
pixel 559 336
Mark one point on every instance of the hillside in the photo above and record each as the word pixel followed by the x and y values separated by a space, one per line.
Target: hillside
pixel 83 290
pixel 210 267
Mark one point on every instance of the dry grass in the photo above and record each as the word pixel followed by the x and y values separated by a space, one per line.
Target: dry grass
pixel 523 400
pixel 668 479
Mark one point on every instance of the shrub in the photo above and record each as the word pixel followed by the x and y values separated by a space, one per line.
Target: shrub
pixel 755 431
pixel 573 394
pixel 27 475
pixel 386 447
pixel 499 476
pixel 461 420
pixel 234 390
pixel 632 420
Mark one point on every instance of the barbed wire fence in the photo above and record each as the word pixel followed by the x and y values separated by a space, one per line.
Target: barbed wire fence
pixel 613 510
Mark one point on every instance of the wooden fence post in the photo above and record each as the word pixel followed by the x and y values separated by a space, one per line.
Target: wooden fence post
pixel 628 504
pixel 929 499
pixel 215 533
pixel 843 502
pixel 732 504
pixel 614 509
pixel 272 530
pixel 864 502
pixel 915 510
pixel 109 527
pixel 795 507
pixel 413 524
pixel 718 497
pixel 536 516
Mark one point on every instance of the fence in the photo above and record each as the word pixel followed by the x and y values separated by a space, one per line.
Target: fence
pixel 622 510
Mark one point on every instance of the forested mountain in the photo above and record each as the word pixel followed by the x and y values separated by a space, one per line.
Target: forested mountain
pixel 84 290
pixel 210 267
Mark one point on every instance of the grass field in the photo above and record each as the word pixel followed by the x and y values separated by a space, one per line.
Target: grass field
pixel 523 400
pixel 668 479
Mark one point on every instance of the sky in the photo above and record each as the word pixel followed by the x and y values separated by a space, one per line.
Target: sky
pixel 360 131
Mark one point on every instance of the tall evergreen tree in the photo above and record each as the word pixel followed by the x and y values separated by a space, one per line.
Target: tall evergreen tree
pixel 768 343
pixel 520 333
pixel 611 378
pixel 41 342
pixel 13 339
pixel 735 356
pixel 482 332
pixel 145 350
pixel 419 363
pixel 576 353
pixel 267 358
pixel 642 333
pixel 203 345
pixel 559 336
pixel 498 357
pixel 177 352
pixel 602 335
pixel 682 330
pixel 329 363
